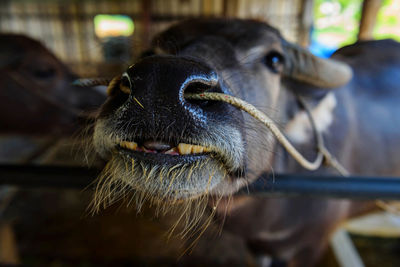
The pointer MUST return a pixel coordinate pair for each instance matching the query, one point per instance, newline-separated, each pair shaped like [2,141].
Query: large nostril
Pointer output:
[197,87]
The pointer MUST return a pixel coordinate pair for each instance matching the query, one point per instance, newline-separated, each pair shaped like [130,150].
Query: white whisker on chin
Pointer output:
[182,188]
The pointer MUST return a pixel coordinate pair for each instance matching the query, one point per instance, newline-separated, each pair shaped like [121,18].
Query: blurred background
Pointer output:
[50,227]
[84,34]
[90,36]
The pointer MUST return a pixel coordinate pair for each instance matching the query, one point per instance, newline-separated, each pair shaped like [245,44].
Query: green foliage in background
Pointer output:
[346,29]
[387,19]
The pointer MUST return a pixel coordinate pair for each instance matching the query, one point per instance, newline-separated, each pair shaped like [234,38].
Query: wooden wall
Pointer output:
[67,27]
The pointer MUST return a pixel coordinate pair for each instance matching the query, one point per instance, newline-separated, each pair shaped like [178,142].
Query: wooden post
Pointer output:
[207,8]
[8,245]
[305,22]
[146,22]
[230,8]
[369,11]
[225,8]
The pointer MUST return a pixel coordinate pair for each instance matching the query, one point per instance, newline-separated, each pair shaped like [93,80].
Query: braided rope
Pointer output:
[268,122]
[329,159]
[323,152]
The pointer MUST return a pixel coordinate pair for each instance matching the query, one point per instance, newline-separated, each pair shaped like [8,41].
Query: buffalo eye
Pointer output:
[274,61]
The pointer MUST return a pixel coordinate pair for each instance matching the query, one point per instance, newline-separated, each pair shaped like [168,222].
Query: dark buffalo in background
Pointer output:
[37,93]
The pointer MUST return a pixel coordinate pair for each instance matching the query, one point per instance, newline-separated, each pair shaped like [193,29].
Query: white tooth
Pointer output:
[129,145]
[171,151]
[184,149]
[197,149]
[132,145]
[206,149]
[123,144]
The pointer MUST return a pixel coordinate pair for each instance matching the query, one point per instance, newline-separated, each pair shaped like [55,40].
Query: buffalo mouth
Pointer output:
[182,149]
[164,171]
[170,172]
[164,153]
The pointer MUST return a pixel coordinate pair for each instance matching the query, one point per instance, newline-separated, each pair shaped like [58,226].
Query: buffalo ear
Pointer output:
[302,66]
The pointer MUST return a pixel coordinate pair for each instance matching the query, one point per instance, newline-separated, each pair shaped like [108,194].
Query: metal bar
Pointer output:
[353,187]
[267,185]
[47,176]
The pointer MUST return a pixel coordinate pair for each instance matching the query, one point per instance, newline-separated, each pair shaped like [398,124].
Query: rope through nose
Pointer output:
[323,152]
[268,122]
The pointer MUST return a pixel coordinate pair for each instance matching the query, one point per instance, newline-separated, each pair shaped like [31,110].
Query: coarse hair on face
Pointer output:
[135,185]
[183,188]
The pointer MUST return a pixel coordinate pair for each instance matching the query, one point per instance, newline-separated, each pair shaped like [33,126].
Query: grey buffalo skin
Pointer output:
[354,97]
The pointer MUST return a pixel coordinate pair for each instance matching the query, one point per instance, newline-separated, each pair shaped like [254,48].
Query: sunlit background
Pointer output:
[81,33]
[336,23]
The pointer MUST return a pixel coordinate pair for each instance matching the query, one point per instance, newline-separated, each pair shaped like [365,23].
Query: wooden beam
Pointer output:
[370,10]
[344,250]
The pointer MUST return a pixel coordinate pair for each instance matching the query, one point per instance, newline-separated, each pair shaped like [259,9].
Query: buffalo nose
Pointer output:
[161,82]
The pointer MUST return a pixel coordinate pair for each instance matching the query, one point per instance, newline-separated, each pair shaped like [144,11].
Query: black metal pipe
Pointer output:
[47,176]
[354,187]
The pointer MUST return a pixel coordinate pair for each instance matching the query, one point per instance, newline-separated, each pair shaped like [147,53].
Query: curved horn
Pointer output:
[324,73]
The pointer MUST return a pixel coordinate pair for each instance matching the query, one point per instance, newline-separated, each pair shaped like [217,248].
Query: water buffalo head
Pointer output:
[37,95]
[169,148]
